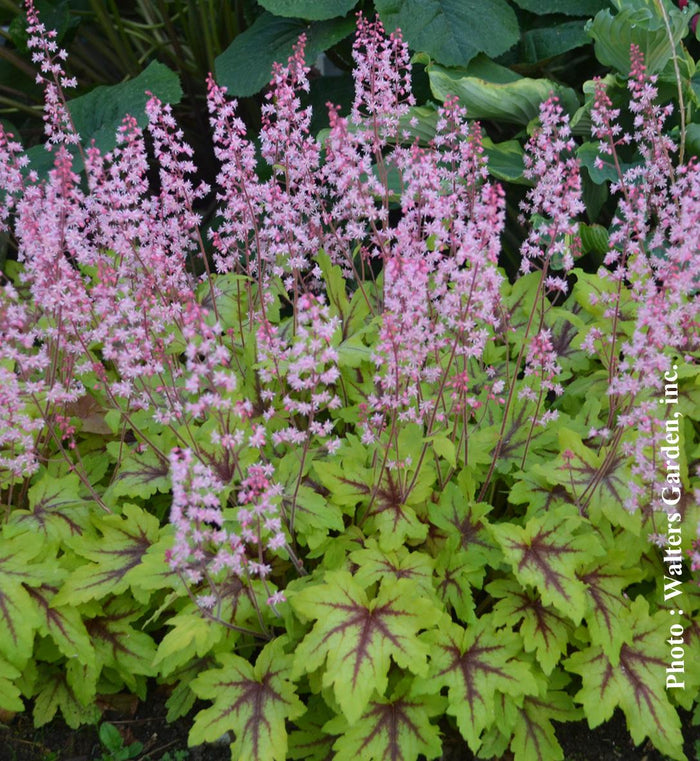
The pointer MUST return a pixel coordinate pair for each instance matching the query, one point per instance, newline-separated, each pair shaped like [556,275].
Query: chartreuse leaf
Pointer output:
[115,557]
[390,729]
[636,684]
[315,517]
[375,565]
[56,509]
[607,606]
[19,613]
[357,637]
[445,29]
[141,474]
[252,701]
[456,572]
[533,735]
[10,699]
[546,554]
[119,646]
[542,629]
[474,663]
[55,693]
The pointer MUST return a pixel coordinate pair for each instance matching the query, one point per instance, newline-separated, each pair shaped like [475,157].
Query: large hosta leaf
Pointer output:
[115,557]
[391,729]
[546,554]
[445,29]
[490,91]
[473,664]
[636,684]
[357,637]
[252,701]
[308,9]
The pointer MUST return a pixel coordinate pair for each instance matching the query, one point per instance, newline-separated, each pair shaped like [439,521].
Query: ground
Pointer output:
[145,722]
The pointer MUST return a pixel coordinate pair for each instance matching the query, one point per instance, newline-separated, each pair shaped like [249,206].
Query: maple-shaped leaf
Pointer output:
[375,565]
[56,509]
[120,646]
[20,570]
[473,664]
[636,684]
[542,629]
[546,553]
[10,699]
[390,729]
[607,605]
[313,740]
[457,571]
[55,693]
[597,481]
[456,516]
[63,624]
[115,556]
[315,516]
[140,474]
[251,701]
[533,735]
[357,637]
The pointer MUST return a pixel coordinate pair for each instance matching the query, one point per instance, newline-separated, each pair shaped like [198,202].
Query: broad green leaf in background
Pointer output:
[311,10]
[252,701]
[358,637]
[566,7]
[639,22]
[244,68]
[545,42]
[452,32]
[490,91]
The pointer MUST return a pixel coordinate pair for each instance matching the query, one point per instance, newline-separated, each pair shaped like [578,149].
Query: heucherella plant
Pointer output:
[317,459]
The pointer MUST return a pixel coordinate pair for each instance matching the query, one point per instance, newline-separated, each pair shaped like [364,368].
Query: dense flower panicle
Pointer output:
[382,75]
[556,196]
[58,124]
[236,240]
[306,366]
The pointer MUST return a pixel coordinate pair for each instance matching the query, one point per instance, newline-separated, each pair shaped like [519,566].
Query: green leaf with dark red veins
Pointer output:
[456,516]
[391,729]
[636,684]
[115,557]
[21,570]
[141,474]
[55,693]
[457,572]
[10,696]
[63,624]
[534,736]
[357,637]
[313,740]
[347,482]
[607,605]
[546,553]
[598,483]
[119,645]
[375,565]
[542,629]
[314,517]
[56,509]
[251,701]
[473,664]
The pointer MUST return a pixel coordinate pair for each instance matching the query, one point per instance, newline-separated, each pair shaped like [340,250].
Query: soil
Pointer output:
[145,723]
